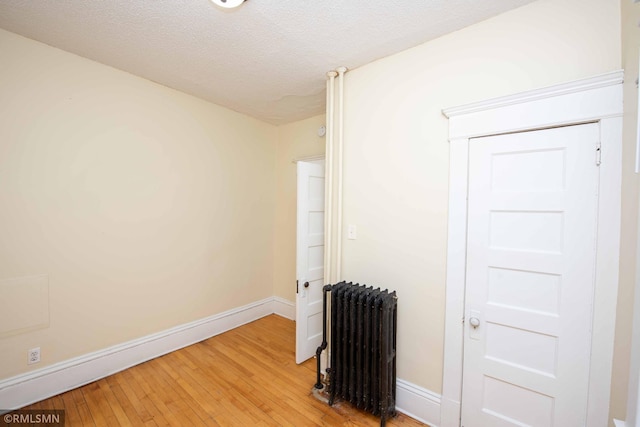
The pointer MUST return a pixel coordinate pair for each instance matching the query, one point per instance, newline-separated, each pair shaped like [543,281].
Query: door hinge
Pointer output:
[296,286]
[598,154]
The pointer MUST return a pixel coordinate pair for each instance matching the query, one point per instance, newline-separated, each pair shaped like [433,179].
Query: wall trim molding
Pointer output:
[284,307]
[587,100]
[418,403]
[599,81]
[25,389]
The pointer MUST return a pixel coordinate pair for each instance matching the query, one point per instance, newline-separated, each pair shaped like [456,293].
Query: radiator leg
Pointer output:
[319,384]
[332,398]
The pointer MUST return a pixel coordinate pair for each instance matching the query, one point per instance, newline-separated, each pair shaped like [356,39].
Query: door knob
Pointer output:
[306,284]
[475,322]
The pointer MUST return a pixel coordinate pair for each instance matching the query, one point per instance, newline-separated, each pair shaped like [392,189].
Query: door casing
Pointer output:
[593,100]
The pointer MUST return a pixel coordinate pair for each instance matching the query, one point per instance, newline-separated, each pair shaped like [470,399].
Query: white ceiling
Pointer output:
[267,59]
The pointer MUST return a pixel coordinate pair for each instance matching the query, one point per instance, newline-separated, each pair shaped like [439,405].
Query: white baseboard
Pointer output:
[619,423]
[284,308]
[418,402]
[25,389]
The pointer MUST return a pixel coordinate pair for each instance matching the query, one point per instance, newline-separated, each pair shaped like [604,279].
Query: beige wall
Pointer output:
[397,155]
[630,188]
[296,140]
[146,207]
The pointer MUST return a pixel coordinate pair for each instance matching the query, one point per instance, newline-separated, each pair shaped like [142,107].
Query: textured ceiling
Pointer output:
[267,59]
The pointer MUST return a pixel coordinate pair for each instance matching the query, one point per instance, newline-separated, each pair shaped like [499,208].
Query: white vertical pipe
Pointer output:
[340,148]
[328,197]
[328,186]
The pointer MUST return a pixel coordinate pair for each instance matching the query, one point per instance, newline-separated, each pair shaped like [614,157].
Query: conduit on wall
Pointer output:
[334,161]
[333,184]
[328,181]
[340,132]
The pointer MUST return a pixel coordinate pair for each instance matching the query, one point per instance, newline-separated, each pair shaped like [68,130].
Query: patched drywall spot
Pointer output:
[25,304]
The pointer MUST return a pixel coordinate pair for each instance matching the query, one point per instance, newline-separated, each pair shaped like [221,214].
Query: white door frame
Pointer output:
[597,99]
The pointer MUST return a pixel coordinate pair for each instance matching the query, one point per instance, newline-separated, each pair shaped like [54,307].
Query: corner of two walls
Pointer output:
[295,141]
[626,363]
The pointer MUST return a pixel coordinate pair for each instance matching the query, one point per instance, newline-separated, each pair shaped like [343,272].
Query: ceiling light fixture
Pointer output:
[228,4]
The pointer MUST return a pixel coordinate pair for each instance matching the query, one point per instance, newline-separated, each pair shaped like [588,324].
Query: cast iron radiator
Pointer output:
[363,348]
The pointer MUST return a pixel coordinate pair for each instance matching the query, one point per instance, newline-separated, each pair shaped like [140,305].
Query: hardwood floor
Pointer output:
[244,377]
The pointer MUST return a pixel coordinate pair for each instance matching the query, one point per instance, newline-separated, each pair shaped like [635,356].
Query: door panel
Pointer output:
[530,277]
[310,259]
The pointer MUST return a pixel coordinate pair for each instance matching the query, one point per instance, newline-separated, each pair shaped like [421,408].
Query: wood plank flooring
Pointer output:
[244,377]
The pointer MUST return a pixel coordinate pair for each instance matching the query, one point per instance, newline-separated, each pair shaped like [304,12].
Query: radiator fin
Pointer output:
[363,348]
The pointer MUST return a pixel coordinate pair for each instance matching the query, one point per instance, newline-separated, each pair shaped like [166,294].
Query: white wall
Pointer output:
[145,207]
[396,158]
[627,356]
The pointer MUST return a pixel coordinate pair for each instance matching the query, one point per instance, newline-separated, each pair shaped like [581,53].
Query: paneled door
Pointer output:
[310,259]
[530,277]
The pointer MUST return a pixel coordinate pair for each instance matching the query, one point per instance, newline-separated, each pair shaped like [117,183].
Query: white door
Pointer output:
[530,277]
[310,259]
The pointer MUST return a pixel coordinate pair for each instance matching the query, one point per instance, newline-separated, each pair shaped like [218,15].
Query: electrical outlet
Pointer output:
[33,356]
